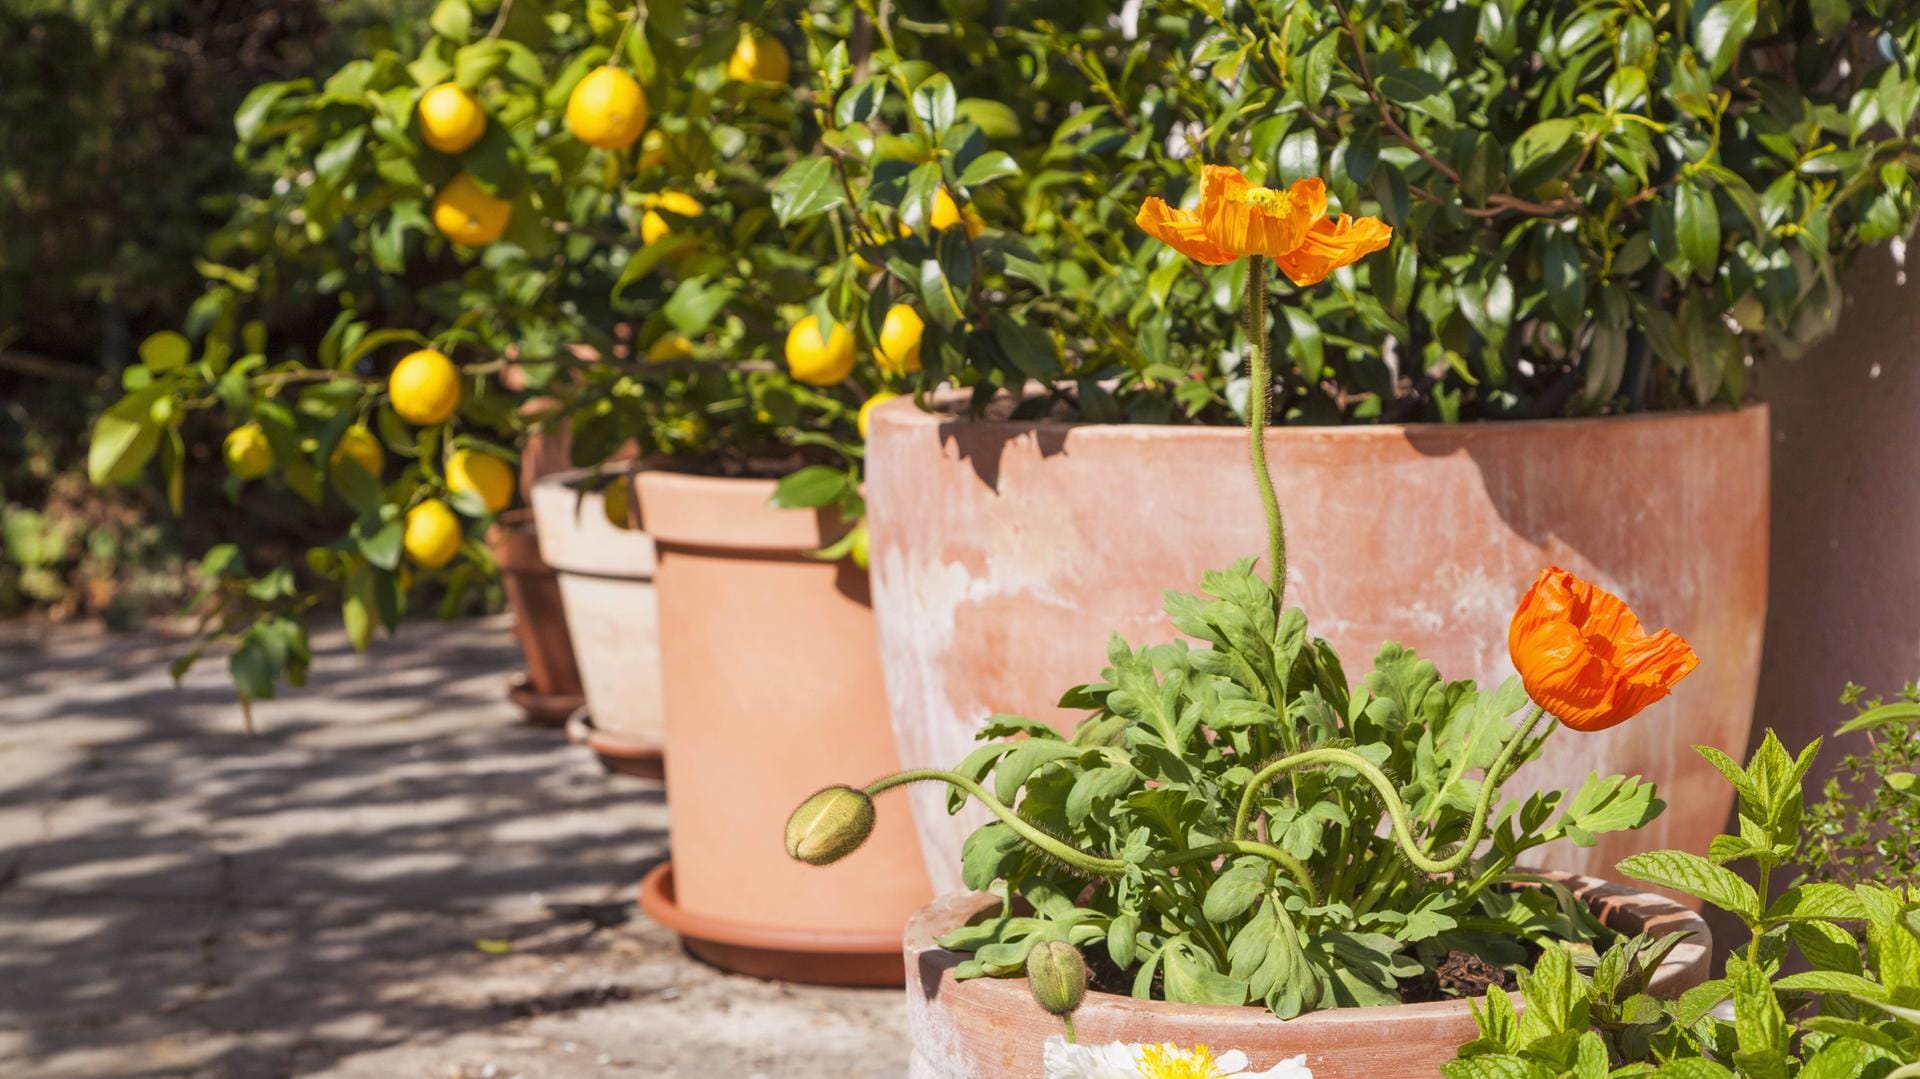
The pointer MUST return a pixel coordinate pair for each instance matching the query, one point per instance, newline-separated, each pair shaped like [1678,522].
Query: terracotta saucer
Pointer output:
[542,709]
[777,953]
[617,754]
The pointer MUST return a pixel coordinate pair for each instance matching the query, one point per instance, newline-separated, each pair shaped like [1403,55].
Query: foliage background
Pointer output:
[119,169]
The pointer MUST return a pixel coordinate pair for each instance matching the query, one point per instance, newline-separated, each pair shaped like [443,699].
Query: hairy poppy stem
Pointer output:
[1422,859]
[1259,400]
[1094,864]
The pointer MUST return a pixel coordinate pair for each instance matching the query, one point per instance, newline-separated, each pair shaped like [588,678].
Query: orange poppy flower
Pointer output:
[1237,219]
[1584,657]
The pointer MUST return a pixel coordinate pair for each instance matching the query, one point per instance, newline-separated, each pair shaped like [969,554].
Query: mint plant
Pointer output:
[1866,826]
[1853,1012]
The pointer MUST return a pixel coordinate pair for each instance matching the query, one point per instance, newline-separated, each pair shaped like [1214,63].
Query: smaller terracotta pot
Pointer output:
[771,679]
[549,691]
[990,1028]
[606,585]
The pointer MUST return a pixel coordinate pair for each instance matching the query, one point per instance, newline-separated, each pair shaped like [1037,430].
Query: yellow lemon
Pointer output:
[817,359]
[946,214]
[864,265]
[616,501]
[482,475]
[858,549]
[670,346]
[467,214]
[248,454]
[432,537]
[864,420]
[359,445]
[607,109]
[899,349]
[450,119]
[653,149]
[653,225]
[424,387]
[758,58]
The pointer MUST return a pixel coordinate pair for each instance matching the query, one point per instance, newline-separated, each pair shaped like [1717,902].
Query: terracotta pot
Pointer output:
[606,586]
[990,1028]
[772,691]
[1005,553]
[549,691]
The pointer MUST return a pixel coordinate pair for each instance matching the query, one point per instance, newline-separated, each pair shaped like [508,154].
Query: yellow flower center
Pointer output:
[1172,1062]
[1267,200]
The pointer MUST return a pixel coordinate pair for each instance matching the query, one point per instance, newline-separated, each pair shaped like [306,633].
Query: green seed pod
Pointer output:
[829,826]
[1057,976]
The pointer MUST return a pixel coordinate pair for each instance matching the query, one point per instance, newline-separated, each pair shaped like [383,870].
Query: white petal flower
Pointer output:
[1110,1061]
[1291,1068]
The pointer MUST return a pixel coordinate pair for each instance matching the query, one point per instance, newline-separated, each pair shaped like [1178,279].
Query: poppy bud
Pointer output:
[829,826]
[1057,976]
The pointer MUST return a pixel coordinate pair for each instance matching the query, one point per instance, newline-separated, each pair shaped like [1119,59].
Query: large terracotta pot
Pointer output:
[772,690]
[990,1028]
[549,691]
[606,586]
[1005,553]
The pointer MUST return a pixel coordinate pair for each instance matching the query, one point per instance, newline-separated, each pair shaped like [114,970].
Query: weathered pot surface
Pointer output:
[771,683]
[1005,553]
[606,587]
[990,1028]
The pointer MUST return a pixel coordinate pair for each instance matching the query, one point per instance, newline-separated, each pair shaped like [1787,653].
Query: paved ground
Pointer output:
[178,898]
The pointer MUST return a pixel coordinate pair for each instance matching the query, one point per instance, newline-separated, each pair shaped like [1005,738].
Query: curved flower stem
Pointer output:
[1095,864]
[1421,858]
[1259,400]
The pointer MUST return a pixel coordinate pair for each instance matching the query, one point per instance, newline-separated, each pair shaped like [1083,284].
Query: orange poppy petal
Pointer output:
[1330,245]
[1250,220]
[1180,230]
[1583,656]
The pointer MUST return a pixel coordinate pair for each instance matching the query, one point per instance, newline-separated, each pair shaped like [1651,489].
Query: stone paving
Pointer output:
[393,878]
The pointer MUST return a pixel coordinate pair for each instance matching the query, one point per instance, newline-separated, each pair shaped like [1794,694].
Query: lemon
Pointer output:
[450,119]
[899,349]
[866,411]
[653,225]
[616,501]
[607,109]
[359,445]
[432,537]
[248,454]
[758,58]
[858,549]
[424,387]
[946,214]
[467,214]
[482,475]
[670,346]
[819,360]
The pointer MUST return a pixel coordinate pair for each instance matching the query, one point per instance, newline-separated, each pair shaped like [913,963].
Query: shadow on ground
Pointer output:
[392,877]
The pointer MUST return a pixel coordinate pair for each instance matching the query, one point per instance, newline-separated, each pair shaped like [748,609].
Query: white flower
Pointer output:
[1111,1061]
[1118,1061]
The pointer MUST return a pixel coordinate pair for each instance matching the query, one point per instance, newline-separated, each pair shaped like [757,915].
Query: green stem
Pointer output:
[1259,400]
[1421,858]
[1094,864]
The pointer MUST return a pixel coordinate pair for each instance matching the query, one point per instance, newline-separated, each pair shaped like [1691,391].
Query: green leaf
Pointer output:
[988,167]
[1832,981]
[1697,877]
[807,188]
[452,19]
[124,438]
[251,117]
[165,351]
[1693,1068]
[811,487]
[1696,222]
[1233,892]
[1719,29]
[1492,1066]
[934,103]
[1566,281]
